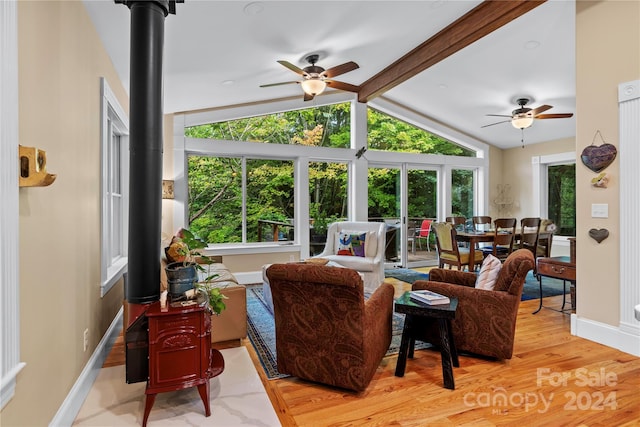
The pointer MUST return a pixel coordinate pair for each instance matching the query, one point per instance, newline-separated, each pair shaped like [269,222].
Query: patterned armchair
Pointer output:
[325,330]
[485,322]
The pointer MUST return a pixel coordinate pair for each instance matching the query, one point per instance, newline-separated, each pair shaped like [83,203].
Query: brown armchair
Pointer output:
[485,322]
[325,330]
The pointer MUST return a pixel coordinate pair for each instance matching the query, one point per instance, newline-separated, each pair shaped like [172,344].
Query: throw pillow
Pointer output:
[488,273]
[371,246]
[351,244]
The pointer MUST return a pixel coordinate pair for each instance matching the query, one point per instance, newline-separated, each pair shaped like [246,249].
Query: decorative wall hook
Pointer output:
[360,152]
[33,168]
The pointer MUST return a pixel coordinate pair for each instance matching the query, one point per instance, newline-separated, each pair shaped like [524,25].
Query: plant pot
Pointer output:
[180,278]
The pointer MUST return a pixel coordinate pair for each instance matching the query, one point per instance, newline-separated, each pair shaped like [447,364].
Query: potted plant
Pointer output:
[182,274]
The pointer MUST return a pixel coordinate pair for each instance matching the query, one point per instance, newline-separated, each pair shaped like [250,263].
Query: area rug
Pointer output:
[406,274]
[262,334]
[550,287]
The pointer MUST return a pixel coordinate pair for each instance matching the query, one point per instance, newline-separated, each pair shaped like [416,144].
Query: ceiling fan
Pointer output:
[315,79]
[522,118]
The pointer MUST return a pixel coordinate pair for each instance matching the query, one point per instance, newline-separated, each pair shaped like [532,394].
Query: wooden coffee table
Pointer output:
[444,313]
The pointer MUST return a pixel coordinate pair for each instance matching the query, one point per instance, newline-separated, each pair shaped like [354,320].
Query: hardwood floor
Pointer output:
[553,379]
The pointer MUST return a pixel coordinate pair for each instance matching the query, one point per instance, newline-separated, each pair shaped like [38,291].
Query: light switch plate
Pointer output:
[599,210]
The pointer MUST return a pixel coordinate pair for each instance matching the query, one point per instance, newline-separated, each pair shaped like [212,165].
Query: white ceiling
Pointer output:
[218,53]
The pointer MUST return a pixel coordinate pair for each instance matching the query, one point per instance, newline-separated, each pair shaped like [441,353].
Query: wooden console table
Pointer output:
[560,267]
[180,354]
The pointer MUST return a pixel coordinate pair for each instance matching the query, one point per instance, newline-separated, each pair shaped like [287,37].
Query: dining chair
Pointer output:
[480,222]
[529,235]
[448,250]
[505,234]
[456,220]
[545,238]
[424,232]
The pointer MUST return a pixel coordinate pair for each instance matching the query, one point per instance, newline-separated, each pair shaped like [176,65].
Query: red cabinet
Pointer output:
[180,354]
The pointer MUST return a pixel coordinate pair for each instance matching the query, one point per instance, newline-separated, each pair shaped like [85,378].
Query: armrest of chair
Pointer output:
[452,276]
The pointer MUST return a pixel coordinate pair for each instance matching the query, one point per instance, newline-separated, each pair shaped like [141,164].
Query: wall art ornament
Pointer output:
[600,181]
[598,157]
[598,234]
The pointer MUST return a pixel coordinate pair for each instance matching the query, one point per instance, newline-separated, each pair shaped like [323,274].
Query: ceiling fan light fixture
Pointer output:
[313,86]
[522,121]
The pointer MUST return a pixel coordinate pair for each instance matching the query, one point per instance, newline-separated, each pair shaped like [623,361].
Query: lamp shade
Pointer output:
[313,86]
[522,121]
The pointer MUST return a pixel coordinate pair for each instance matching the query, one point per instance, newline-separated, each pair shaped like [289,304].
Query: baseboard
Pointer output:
[606,335]
[73,402]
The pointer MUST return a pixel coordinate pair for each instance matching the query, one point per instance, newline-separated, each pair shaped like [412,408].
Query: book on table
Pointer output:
[429,297]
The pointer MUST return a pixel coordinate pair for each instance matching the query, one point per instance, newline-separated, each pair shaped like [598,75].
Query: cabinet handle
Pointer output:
[557,270]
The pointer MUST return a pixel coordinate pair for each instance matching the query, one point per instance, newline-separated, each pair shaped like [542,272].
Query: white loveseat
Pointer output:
[372,264]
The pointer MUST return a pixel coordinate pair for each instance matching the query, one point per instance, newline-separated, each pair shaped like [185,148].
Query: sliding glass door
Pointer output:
[405,198]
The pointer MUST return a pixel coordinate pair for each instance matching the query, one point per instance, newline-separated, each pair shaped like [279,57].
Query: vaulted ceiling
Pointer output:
[219,53]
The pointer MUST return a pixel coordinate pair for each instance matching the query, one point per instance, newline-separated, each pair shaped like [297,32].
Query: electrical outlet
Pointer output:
[86,339]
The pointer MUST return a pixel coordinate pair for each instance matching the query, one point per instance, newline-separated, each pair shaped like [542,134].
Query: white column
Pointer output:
[629,155]
[359,176]
[9,220]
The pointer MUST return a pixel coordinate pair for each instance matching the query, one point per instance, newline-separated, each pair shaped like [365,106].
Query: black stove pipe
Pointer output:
[145,148]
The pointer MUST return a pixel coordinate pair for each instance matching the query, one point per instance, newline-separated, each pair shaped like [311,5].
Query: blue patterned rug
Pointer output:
[262,334]
[550,287]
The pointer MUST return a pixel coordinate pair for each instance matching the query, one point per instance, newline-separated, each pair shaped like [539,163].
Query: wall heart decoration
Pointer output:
[598,157]
[598,235]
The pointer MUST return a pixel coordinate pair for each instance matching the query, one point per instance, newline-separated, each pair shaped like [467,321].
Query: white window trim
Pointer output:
[9,202]
[111,271]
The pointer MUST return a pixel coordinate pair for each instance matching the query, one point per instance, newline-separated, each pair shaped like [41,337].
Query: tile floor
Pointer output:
[238,398]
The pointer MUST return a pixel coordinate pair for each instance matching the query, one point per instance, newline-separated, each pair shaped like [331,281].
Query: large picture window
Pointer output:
[240,199]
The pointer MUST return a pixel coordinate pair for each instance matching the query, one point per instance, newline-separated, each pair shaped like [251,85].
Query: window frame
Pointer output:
[540,165]
[358,165]
[114,121]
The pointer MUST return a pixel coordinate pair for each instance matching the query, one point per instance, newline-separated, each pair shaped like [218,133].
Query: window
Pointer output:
[462,192]
[561,190]
[238,183]
[115,179]
[323,126]
[240,199]
[388,133]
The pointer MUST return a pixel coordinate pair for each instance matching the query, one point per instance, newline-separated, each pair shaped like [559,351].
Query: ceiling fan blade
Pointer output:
[496,123]
[539,109]
[498,115]
[292,67]
[279,84]
[342,86]
[307,97]
[554,116]
[340,69]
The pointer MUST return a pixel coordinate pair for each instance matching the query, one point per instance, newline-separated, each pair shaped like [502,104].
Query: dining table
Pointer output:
[475,237]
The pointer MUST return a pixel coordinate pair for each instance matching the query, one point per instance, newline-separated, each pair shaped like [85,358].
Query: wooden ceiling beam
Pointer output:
[477,23]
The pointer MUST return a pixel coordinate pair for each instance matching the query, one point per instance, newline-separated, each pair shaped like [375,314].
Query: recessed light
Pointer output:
[253,9]
[228,82]
[532,44]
